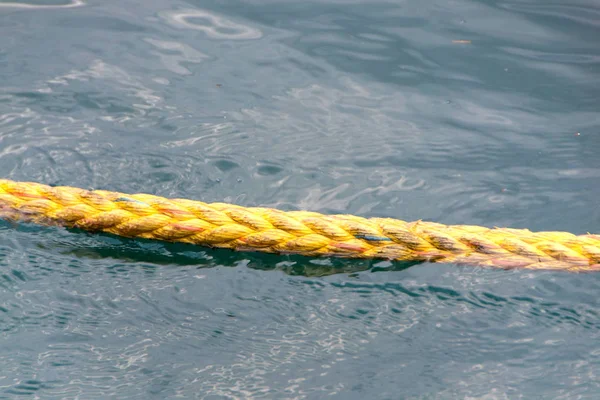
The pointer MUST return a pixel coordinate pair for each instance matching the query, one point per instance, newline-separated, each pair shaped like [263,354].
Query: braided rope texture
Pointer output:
[295,232]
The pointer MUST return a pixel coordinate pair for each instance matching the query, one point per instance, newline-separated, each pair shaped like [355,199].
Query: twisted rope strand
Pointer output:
[295,232]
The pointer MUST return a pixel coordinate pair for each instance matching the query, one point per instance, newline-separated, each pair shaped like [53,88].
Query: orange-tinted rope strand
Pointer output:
[295,232]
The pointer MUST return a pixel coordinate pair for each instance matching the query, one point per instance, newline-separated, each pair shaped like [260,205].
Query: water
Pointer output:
[472,112]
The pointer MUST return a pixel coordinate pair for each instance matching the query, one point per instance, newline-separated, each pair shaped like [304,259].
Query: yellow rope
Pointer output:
[295,232]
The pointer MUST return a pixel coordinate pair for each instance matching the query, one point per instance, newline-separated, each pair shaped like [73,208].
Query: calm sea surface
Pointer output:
[471,112]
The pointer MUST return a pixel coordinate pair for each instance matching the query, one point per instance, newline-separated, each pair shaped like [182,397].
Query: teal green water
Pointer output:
[363,107]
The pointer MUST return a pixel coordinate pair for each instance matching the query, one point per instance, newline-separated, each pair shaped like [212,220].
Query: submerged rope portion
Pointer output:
[295,232]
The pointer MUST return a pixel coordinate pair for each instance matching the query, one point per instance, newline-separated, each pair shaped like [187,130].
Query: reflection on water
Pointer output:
[214,26]
[175,62]
[29,6]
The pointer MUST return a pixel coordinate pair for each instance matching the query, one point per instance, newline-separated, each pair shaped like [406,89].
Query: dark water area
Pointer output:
[459,112]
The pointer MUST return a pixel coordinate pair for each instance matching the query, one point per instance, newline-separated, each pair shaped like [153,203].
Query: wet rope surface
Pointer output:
[295,232]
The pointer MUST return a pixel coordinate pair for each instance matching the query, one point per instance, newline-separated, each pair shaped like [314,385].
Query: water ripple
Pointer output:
[214,26]
[174,62]
[70,4]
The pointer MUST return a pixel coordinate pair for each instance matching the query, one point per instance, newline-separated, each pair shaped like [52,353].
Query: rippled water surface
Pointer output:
[473,112]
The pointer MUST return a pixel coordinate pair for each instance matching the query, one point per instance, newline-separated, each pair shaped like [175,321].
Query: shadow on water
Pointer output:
[146,251]
[125,250]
